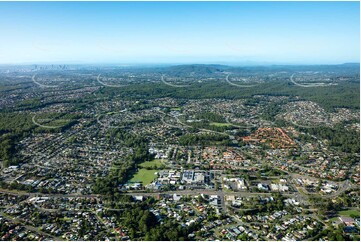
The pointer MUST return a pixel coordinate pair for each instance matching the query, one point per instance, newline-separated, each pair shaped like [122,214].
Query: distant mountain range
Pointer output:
[207,69]
[198,69]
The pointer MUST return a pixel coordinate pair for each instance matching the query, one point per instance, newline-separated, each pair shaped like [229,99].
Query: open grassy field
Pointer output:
[350,212]
[220,124]
[157,162]
[144,176]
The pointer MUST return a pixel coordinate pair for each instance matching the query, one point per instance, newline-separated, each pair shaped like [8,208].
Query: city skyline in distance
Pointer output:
[247,33]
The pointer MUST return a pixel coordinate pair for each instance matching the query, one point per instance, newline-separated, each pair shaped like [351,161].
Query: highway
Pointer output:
[318,84]
[237,85]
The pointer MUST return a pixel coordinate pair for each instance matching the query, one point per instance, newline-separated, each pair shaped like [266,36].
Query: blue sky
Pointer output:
[180,32]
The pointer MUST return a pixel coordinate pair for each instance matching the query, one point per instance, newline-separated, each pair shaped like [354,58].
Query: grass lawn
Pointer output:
[66,219]
[144,176]
[220,124]
[156,162]
[176,109]
[349,212]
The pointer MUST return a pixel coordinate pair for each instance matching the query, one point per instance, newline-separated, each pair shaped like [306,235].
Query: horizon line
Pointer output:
[177,63]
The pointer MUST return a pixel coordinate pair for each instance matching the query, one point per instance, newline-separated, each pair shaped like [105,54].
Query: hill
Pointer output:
[194,69]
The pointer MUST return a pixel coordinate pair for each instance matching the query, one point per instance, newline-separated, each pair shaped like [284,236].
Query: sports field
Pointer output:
[157,162]
[144,176]
[220,124]
[350,212]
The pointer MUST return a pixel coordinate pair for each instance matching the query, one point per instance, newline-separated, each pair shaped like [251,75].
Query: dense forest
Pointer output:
[340,138]
[345,95]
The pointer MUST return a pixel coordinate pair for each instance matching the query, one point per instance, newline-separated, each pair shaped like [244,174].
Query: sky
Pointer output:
[180,32]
